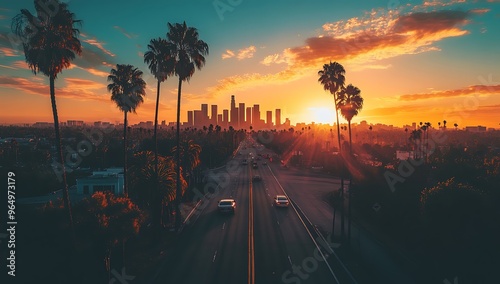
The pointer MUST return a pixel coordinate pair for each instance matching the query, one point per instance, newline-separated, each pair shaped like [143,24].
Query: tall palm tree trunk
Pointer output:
[67,203]
[125,189]
[349,216]
[342,219]
[178,191]
[156,202]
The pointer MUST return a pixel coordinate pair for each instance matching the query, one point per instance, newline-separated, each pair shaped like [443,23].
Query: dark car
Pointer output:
[227,205]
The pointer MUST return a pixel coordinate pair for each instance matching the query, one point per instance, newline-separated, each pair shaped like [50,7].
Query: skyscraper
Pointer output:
[213,119]
[234,113]
[225,118]
[269,118]
[241,115]
[204,114]
[256,116]
[277,120]
[190,118]
[249,117]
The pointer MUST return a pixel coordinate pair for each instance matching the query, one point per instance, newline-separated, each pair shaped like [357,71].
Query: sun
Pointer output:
[323,115]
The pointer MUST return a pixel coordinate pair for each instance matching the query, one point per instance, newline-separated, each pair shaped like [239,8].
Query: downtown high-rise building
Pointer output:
[269,118]
[241,116]
[233,113]
[213,117]
[277,120]
[249,117]
[256,116]
[225,118]
[190,118]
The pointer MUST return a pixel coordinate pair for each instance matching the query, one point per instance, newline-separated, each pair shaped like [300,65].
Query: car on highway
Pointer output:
[256,178]
[226,206]
[281,201]
[254,165]
[264,163]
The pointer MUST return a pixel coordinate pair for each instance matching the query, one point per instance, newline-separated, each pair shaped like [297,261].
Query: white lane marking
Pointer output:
[215,255]
[290,260]
[223,225]
[278,222]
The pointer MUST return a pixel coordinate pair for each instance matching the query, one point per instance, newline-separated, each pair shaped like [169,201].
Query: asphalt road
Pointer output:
[223,248]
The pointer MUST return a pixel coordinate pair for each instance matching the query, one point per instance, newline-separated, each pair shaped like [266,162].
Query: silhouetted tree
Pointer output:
[161,65]
[188,52]
[50,42]
[127,90]
[332,78]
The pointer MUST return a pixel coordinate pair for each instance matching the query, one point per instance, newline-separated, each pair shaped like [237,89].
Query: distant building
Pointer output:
[233,113]
[277,120]
[241,116]
[108,180]
[256,116]
[43,124]
[478,128]
[75,123]
[269,118]
[190,118]
[225,118]
[404,155]
[214,115]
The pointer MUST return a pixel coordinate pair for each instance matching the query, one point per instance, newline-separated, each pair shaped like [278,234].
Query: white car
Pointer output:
[227,205]
[281,201]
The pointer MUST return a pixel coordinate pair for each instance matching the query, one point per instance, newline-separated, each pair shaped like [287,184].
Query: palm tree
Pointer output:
[188,53]
[332,78]
[190,156]
[50,42]
[161,66]
[127,90]
[415,136]
[428,129]
[144,178]
[350,103]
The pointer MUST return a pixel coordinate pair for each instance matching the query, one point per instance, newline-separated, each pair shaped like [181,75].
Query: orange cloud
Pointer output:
[243,53]
[99,45]
[247,52]
[361,41]
[20,64]
[124,32]
[7,51]
[477,89]
[78,89]
[241,82]
[228,54]
[96,72]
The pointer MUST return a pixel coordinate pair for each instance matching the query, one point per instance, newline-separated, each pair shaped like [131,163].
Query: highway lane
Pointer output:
[213,247]
[285,250]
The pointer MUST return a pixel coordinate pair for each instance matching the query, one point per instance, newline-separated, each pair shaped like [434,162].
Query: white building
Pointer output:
[404,155]
[108,180]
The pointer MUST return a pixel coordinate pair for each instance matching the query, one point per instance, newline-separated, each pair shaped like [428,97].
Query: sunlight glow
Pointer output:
[322,115]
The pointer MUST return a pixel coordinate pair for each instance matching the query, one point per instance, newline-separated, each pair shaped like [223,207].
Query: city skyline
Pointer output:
[407,59]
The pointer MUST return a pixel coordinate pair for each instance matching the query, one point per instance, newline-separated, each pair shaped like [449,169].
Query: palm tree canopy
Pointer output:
[186,49]
[189,154]
[415,135]
[158,58]
[332,77]
[49,38]
[350,102]
[127,87]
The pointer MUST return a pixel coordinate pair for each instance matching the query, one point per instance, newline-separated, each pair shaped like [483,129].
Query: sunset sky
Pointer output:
[413,61]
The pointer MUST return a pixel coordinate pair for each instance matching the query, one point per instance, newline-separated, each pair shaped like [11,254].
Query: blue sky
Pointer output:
[412,60]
